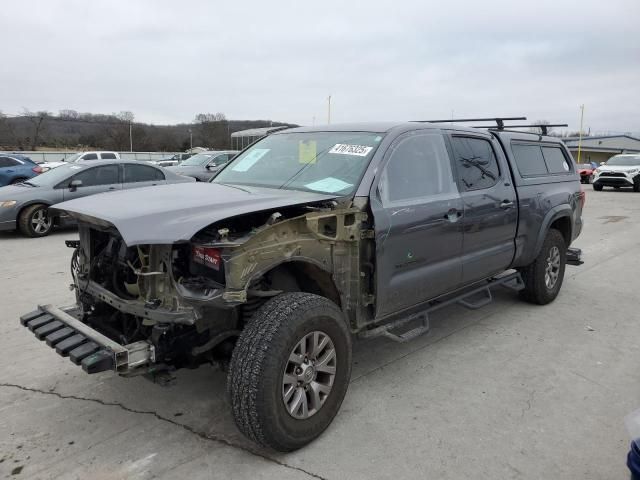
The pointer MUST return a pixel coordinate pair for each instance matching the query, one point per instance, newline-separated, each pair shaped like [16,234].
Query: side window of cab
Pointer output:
[476,162]
[418,169]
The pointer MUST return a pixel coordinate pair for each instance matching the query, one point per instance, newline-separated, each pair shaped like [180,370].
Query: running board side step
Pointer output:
[472,299]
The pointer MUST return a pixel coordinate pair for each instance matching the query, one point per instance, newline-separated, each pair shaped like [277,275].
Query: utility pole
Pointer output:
[130,137]
[190,141]
[580,137]
[329,110]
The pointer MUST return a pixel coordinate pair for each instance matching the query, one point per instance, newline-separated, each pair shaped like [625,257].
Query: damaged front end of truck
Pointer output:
[145,308]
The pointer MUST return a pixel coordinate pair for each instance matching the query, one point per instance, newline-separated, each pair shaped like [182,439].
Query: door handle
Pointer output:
[453,215]
[506,204]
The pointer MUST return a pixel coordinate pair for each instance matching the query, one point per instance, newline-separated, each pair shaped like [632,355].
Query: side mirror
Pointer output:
[74,184]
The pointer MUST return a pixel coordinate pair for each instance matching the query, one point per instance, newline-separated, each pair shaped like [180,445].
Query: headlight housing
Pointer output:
[634,171]
[7,203]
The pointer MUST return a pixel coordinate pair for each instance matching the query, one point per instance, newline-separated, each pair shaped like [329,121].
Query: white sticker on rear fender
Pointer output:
[344,149]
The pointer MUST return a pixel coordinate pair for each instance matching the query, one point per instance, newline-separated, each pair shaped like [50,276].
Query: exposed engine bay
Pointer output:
[190,301]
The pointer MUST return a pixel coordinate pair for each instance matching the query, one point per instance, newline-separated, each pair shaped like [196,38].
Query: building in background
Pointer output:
[601,149]
[244,138]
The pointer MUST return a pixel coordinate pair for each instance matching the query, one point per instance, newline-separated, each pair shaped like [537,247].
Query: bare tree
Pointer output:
[538,130]
[37,123]
[68,114]
[213,129]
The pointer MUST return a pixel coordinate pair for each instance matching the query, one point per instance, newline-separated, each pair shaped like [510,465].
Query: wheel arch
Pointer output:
[300,274]
[558,218]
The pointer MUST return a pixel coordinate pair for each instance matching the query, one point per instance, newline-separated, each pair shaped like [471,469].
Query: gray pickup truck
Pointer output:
[308,238]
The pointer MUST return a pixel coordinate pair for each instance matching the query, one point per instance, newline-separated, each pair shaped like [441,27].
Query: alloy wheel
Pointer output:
[309,375]
[40,221]
[552,269]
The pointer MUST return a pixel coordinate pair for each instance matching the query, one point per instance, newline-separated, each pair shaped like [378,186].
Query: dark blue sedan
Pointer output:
[16,169]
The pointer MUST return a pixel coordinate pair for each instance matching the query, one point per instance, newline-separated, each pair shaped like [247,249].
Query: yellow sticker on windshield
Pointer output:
[307,151]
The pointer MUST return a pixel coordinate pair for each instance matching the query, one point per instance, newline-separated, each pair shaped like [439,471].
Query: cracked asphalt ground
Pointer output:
[508,391]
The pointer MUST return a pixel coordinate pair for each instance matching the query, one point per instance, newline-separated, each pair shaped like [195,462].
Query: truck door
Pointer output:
[490,206]
[417,213]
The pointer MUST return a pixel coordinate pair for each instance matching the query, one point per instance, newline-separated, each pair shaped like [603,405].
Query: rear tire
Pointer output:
[597,188]
[282,397]
[543,277]
[636,184]
[34,221]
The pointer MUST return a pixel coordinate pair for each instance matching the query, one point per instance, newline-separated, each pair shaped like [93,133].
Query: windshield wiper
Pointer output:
[27,182]
[233,186]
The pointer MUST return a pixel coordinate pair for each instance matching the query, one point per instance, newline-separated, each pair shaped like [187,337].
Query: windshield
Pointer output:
[196,160]
[55,175]
[73,158]
[624,161]
[328,162]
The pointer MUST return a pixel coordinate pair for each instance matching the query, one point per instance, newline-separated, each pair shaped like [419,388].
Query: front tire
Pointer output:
[597,188]
[543,277]
[35,221]
[290,371]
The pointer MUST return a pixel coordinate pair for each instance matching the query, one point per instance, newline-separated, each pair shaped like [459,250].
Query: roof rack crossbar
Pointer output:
[544,128]
[499,120]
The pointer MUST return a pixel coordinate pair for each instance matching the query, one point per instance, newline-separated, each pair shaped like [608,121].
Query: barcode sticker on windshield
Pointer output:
[344,149]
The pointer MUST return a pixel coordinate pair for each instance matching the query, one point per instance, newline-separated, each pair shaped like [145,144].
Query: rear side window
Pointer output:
[8,162]
[529,160]
[418,167]
[108,156]
[104,175]
[476,163]
[90,156]
[555,159]
[534,160]
[141,173]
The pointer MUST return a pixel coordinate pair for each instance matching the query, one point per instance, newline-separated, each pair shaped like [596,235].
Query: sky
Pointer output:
[167,61]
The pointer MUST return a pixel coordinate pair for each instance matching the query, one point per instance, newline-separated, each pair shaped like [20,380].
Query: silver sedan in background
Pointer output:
[205,165]
[25,206]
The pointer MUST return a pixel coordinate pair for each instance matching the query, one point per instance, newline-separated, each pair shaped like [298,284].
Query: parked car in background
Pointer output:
[619,171]
[25,205]
[585,170]
[16,169]
[176,159]
[203,166]
[82,157]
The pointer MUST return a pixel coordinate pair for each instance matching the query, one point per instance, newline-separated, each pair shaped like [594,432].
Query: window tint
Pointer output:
[108,156]
[418,167]
[7,162]
[529,160]
[90,156]
[105,175]
[141,173]
[476,163]
[556,161]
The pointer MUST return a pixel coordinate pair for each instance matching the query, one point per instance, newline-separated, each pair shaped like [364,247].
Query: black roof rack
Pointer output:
[499,120]
[544,128]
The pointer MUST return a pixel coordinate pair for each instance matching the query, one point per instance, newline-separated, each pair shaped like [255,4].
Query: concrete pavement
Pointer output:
[508,391]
